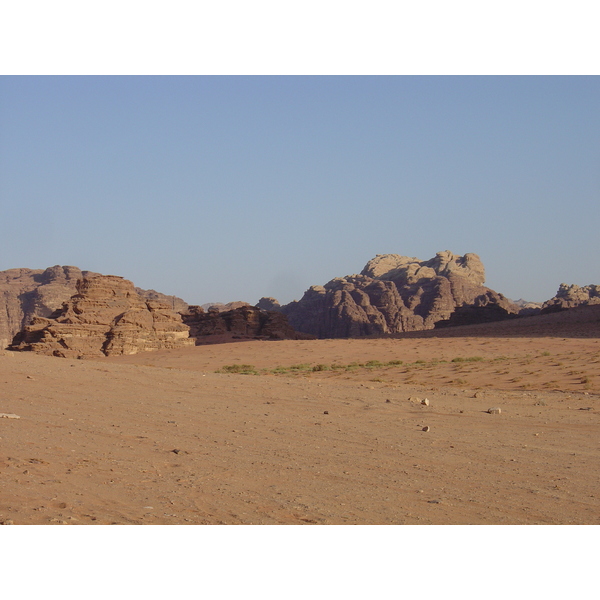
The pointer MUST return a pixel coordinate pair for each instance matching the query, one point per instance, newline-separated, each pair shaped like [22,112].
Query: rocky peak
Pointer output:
[407,270]
[395,293]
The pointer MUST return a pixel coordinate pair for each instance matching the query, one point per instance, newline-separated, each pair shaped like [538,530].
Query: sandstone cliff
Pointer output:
[396,293]
[243,322]
[106,316]
[570,296]
[29,293]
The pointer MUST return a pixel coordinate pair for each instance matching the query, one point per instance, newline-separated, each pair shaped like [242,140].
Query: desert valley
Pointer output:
[407,394]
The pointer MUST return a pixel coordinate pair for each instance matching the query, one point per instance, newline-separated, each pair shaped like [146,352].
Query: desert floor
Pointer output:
[297,432]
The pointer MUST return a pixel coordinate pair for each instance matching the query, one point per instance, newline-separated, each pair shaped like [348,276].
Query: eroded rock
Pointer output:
[106,317]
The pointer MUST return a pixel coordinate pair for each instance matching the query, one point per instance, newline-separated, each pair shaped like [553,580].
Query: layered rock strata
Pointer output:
[242,322]
[29,293]
[394,294]
[106,317]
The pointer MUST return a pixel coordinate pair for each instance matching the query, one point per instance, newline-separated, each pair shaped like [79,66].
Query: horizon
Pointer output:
[218,189]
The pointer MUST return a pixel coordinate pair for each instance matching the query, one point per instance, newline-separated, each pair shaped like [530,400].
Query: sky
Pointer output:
[223,188]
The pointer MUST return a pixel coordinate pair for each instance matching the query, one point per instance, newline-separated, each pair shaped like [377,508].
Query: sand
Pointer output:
[162,438]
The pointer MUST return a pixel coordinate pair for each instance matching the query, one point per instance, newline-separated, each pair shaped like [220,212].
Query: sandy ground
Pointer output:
[161,438]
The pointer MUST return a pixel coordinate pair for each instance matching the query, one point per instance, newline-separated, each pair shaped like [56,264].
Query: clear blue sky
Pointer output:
[232,188]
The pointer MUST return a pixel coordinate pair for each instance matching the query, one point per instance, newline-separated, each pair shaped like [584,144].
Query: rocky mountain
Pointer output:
[106,316]
[243,322]
[29,293]
[570,296]
[394,294]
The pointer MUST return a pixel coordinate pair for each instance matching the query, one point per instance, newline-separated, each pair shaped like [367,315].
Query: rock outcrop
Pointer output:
[394,294]
[570,296]
[106,317]
[243,322]
[29,293]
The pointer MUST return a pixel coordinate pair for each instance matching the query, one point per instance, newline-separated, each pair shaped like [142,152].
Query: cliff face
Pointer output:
[396,293]
[29,293]
[106,316]
[243,322]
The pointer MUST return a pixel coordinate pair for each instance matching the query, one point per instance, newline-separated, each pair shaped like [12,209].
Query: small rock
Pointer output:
[176,451]
[425,402]
[7,522]
[325,412]
[388,401]
[426,428]
[478,395]
[494,411]
[9,416]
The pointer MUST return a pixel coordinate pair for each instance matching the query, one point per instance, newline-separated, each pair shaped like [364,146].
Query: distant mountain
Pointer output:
[395,293]
[571,296]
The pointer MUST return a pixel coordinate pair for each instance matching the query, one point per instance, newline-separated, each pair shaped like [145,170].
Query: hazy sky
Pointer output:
[232,188]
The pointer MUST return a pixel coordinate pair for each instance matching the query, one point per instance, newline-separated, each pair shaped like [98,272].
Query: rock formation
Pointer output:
[106,316]
[396,293]
[570,296]
[243,322]
[29,293]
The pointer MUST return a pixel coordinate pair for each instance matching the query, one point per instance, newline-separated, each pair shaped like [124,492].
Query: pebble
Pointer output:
[325,412]
[426,428]
[7,522]
[30,377]
[425,402]
[494,411]
[9,416]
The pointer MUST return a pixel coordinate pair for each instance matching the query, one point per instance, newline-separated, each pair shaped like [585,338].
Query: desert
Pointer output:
[493,423]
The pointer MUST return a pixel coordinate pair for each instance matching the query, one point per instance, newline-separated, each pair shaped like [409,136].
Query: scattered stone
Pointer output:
[176,451]
[433,502]
[388,401]
[494,411]
[9,416]
[325,412]
[586,408]
[30,377]
[7,522]
[478,395]
[426,428]
[425,402]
